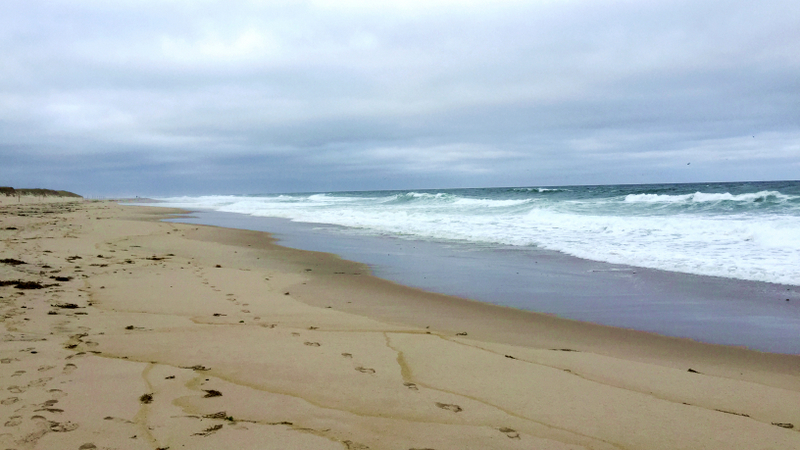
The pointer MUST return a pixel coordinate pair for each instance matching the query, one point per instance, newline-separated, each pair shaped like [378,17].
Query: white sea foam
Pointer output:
[539,189]
[703,197]
[471,202]
[752,245]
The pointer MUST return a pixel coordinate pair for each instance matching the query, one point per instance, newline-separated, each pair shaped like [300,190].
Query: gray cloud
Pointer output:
[199,97]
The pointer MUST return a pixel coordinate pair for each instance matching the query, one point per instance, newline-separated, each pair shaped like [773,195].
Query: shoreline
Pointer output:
[708,309]
[184,312]
[377,298]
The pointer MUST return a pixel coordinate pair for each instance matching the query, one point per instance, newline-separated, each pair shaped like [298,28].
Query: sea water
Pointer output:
[744,231]
[714,262]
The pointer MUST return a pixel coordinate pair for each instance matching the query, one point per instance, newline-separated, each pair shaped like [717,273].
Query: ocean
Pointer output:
[713,262]
[747,231]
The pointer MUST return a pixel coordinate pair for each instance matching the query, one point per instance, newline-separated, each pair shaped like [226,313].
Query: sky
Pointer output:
[179,97]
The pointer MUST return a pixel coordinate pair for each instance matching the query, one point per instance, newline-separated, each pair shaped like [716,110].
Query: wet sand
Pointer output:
[151,335]
[757,315]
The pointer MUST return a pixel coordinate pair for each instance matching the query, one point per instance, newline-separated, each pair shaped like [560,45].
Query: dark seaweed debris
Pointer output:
[12,262]
[19,284]
[61,278]
[65,305]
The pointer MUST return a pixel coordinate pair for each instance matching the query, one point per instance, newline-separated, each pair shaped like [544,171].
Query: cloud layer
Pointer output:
[172,97]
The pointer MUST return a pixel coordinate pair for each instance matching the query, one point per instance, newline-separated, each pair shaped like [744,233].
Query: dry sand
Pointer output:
[158,335]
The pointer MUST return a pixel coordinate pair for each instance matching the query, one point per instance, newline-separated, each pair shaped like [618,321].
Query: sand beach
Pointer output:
[125,332]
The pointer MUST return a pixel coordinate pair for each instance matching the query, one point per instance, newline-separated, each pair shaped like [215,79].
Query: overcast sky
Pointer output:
[168,97]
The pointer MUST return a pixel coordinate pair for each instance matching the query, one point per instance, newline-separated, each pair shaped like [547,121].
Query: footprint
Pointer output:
[13,421]
[365,369]
[18,373]
[449,407]
[9,400]
[411,386]
[45,368]
[69,368]
[63,427]
[17,389]
[117,419]
[511,433]
[40,382]
[42,427]
[51,410]
[246,311]
[347,355]
[57,393]
[312,344]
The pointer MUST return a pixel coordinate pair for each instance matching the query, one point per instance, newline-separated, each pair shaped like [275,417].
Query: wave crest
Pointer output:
[539,190]
[701,197]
